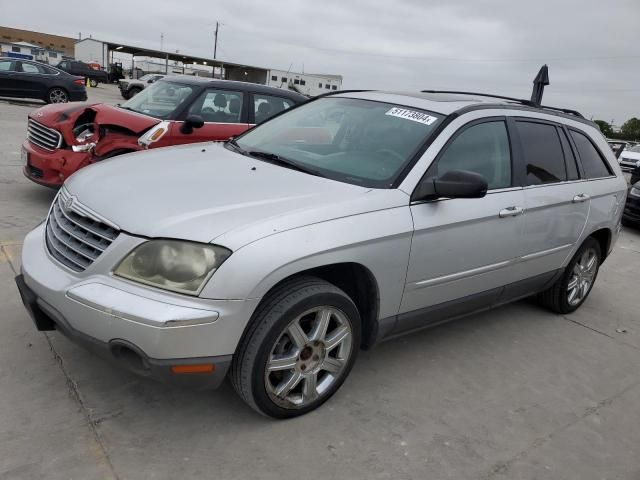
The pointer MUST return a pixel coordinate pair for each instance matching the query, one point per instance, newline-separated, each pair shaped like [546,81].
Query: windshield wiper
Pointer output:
[272,157]
[236,147]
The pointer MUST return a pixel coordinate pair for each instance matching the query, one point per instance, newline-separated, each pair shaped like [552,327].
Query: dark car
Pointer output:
[75,67]
[27,79]
[171,111]
[631,215]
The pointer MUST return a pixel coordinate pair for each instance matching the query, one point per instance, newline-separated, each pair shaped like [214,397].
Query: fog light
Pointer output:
[197,368]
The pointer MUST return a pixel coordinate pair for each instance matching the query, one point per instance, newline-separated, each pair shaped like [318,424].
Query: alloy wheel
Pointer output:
[308,357]
[57,95]
[582,276]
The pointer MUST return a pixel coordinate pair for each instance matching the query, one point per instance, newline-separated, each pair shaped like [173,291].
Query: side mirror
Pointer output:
[453,184]
[191,122]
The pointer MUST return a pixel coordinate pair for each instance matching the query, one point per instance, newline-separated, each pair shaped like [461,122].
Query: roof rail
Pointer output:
[521,101]
[336,92]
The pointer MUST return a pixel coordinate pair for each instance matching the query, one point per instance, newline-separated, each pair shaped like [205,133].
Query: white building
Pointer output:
[29,51]
[306,83]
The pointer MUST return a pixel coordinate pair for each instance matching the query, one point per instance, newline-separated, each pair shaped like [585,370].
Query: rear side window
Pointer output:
[572,167]
[592,162]
[542,153]
[266,106]
[482,148]
[32,68]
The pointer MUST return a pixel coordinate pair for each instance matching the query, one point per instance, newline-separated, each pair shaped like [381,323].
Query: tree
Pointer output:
[631,129]
[605,128]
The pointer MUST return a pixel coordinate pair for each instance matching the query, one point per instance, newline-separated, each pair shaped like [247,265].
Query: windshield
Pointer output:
[160,99]
[356,141]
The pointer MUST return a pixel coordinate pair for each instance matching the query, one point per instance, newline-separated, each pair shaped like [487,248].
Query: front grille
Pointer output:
[74,239]
[43,137]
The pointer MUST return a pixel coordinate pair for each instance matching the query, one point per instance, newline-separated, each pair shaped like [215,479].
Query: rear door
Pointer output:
[556,203]
[32,79]
[224,113]
[9,81]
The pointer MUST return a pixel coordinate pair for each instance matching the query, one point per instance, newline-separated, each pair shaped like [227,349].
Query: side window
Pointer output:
[482,148]
[542,150]
[572,167]
[266,106]
[592,162]
[7,66]
[274,78]
[31,68]
[220,106]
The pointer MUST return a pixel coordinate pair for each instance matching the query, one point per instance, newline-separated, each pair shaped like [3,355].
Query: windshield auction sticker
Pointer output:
[411,115]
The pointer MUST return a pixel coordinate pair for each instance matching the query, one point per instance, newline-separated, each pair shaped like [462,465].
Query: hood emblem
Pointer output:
[68,203]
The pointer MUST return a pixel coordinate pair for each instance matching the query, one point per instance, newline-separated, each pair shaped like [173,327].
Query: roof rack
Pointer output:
[521,101]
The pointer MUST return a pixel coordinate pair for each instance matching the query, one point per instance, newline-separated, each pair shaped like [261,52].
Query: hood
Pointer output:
[628,155]
[202,191]
[64,115]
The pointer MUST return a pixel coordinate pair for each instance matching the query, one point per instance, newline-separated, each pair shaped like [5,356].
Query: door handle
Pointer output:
[583,197]
[511,212]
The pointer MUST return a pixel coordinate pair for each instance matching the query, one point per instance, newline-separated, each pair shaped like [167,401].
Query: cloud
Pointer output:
[483,45]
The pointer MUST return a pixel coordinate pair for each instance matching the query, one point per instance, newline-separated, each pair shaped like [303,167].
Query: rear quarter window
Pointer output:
[593,162]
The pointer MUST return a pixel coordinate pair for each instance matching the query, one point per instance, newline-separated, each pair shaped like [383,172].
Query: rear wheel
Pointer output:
[57,95]
[300,347]
[93,82]
[573,287]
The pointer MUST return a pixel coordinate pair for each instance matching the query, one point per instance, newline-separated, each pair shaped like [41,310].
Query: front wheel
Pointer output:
[93,82]
[57,95]
[573,287]
[300,347]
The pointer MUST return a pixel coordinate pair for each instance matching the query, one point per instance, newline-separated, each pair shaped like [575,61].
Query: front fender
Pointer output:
[379,240]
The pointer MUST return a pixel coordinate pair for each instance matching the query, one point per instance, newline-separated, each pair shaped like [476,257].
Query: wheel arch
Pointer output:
[603,237]
[357,281]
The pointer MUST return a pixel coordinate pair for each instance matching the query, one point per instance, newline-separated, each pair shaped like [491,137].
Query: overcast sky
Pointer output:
[592,47]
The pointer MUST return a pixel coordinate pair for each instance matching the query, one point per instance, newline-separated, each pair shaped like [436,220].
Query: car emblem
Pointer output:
[68,203]
[40,114]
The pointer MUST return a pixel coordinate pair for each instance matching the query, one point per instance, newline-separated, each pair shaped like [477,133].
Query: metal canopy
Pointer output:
[172,56]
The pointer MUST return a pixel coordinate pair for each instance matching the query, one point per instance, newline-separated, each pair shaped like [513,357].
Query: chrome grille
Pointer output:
[74,239]
[43,137]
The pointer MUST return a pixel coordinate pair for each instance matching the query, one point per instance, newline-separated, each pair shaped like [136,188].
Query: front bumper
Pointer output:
[145,330]
[52,168]
[631,212]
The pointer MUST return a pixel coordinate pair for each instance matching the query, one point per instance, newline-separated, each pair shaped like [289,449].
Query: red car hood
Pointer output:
[62,115]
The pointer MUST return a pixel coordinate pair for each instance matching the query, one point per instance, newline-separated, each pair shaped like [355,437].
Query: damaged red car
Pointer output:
[63,138]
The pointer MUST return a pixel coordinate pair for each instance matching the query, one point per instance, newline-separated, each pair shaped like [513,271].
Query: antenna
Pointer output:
[541,80]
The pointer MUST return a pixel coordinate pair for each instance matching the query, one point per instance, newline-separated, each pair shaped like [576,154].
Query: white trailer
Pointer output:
[311,84]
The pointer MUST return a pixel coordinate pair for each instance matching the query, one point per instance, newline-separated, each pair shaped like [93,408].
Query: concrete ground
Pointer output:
[515,393]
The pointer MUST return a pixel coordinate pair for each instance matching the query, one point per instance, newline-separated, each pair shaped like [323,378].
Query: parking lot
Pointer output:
[513,393]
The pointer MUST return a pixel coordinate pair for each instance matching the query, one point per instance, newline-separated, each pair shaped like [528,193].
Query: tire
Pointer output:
[93,82]
[57,95]
[302,301]
[558,297]
[132,92]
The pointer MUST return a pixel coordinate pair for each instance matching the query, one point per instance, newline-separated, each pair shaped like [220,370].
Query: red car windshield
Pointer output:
[159,100]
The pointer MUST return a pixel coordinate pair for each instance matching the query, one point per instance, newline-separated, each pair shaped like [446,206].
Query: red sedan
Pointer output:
[176,110]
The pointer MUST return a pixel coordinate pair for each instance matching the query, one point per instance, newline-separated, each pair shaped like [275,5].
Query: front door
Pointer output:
[9,81]
[224,113]
[465,250]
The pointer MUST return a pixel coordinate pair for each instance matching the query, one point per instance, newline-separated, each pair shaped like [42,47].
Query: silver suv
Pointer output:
[348,220]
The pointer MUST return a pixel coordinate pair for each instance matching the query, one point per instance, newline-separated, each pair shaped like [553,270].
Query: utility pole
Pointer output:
[215,42]
[161,40]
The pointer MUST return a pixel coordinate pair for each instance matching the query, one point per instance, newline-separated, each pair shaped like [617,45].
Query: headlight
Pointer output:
[174,265]
[635,192]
